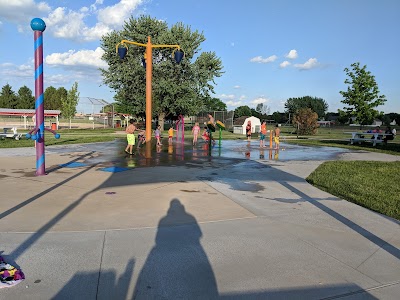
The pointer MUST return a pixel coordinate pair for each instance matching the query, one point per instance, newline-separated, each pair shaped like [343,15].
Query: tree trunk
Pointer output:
[69,123]
[161,118]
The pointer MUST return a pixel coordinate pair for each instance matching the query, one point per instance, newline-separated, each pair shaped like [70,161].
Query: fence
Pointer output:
[225,117]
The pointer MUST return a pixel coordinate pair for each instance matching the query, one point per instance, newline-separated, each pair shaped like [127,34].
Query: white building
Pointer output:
[241,128]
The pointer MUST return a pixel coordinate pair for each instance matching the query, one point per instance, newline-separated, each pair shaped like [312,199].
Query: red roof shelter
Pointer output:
[28,113]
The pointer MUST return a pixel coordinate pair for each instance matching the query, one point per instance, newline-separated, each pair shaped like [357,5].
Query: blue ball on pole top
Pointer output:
[38,24]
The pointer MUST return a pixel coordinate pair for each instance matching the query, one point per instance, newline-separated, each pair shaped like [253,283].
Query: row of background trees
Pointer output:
[24,98]
[56,99]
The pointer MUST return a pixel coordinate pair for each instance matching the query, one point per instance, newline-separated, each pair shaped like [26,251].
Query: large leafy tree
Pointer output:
[242,111]
[362,95]
[305,119]
[8,98]
[26,100]
[176,88]
[213,104]
[53,96]
[317,105]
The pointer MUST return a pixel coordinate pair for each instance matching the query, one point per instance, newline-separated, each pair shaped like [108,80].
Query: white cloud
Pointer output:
[243,97]
[260,59]
[59,79]
[259,100]
[9,70]
[66,23]
[118,13]
[236,87]
[226,97]
[309,64]
[86,58]
[233,103]
[22,11]
[292,54]
[284,64]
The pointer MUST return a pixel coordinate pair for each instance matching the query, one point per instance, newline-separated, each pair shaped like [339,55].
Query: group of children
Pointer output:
[130,136]
[206,134]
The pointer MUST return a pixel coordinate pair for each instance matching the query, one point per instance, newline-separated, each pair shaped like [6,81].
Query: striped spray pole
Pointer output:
[38,26]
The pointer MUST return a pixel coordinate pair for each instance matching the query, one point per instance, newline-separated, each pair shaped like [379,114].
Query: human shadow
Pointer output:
[177,267]
[86,285]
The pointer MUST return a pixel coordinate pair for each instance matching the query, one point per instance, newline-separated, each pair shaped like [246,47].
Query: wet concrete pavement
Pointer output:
[231,225]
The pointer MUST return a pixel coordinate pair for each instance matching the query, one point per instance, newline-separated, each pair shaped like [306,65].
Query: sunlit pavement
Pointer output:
[234,222]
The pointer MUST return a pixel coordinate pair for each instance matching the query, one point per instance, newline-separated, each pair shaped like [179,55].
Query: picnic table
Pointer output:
[373,137]
[10,132]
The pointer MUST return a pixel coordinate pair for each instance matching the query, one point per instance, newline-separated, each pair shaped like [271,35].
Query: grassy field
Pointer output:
[371,184]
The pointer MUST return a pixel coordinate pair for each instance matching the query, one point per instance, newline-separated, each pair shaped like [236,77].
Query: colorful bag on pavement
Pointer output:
[9,275]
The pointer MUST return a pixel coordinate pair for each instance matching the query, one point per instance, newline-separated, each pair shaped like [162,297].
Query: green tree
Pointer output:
[26,100]
[213,104]
[50,96]
[279,117]
[362,95]
[306,121]
[242,111]
[8,99]
[176,88]
[61,93]
[70,102]
[317,105]
[109,108]
[53,96]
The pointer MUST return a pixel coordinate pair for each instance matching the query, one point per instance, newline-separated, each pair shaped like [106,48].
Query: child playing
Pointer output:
[195,131]
[277,133]
[157,134]
[141,138]
[130,136]
[263,133]
[170,134]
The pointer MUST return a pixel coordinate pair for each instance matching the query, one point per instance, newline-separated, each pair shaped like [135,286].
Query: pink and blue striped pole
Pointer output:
[38,26]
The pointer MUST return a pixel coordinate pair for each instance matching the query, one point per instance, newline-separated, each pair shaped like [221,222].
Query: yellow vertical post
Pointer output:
[149,69]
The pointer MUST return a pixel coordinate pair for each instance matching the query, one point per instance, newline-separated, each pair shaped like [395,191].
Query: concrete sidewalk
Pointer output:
[202,229]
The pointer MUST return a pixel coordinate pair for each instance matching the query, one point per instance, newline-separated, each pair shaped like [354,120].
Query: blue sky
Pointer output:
[270,50]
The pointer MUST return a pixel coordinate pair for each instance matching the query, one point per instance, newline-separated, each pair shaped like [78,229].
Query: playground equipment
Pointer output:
[122,49]
[180,130]
[221,126]
[37,133]
[14,134]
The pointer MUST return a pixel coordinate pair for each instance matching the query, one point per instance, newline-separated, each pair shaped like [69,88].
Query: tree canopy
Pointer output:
[317,105]
[8,98]
[69,103]
[306,121]
[176,88]
[26,100]
[362,95]
[53,96]
[242,111]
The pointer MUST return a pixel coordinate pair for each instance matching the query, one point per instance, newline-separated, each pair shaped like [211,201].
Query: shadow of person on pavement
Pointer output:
[177,267]
[98,285]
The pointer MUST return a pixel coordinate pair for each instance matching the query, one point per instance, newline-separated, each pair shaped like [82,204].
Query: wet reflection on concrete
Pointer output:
[110,154]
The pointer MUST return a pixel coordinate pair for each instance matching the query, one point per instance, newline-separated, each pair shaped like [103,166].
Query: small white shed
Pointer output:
[241,128]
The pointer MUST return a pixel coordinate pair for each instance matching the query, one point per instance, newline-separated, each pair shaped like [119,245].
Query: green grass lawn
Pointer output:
[371,184]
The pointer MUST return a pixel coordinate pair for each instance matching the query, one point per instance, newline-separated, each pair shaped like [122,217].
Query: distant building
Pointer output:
[239,125]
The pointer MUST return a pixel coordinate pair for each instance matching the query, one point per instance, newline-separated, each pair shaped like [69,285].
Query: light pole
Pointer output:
[178,55]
